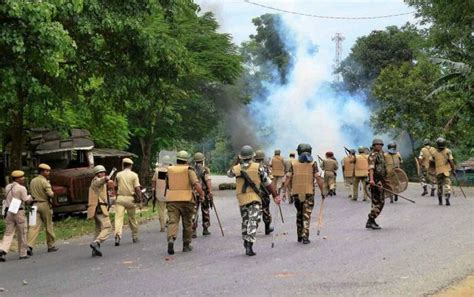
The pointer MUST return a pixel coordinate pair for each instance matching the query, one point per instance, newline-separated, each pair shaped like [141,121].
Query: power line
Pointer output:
[328,17]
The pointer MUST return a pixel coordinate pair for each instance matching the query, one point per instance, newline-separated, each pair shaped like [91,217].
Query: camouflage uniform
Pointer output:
[203,173]
[427,171]
[251,212]
[267,217]
[443,157]
[304,205]
[377,164]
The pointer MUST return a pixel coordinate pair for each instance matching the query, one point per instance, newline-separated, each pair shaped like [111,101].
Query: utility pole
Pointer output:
[338,38]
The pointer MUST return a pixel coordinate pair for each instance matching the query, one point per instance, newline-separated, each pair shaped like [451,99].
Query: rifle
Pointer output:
[321,160]
[153,202]
[459,185]
[347,151]
[111,174]
[393,193]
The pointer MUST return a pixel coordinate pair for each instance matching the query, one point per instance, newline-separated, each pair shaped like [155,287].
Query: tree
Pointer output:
[379,49]
[33,66]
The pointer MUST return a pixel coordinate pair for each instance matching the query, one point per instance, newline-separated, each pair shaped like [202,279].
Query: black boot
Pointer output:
[248,249]
[371,224]
[425,191]
[117,240]
[300,239]
[171,248]
[433,190]
[447,199]
[396,198]
[2,256]
[206,232]
[268,229]
[440,200]
[306,240]
[95,246]
[29,251]
[187,247]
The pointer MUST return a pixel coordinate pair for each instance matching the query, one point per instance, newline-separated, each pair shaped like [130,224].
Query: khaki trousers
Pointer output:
[277,183]
[355,189]
[348,180]
[125,203]
[44,217]
[15,222]
[185,211]
[162,213]
[103,227]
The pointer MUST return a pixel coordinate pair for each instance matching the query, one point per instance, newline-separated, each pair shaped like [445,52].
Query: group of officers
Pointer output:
[182,189]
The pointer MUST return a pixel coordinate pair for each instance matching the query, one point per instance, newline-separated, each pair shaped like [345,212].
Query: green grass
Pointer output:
[74,226]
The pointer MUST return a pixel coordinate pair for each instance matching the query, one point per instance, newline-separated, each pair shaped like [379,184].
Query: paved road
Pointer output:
[422,248]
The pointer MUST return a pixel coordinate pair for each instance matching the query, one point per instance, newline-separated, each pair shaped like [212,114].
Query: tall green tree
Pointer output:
[33,66]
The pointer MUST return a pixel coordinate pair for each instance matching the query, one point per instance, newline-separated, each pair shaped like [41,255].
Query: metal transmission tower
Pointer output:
[338,38]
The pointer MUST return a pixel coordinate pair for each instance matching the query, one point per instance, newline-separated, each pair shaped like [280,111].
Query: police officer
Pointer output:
[426,162]
[444,164]
[303,176]
[348,171]
[361,172]
[98,208]
[377,175]
[204,176]
[287,191]
[128,187]
[42,194]
[330,166]
[15,221]
[393,160]
[181,179]
[277,165]
[267,217]
[158,183]
[249,176]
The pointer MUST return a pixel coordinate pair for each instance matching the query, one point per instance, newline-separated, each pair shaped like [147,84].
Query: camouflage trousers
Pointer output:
[303,214]
[266,215]
[444,183]
[205,212]
[378,201]
[250,214]
[426,177]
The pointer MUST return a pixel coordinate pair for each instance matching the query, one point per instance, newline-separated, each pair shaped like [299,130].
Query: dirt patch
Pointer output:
[465,288]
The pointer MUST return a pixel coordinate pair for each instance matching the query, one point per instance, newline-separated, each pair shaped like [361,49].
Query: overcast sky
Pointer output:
[235,17]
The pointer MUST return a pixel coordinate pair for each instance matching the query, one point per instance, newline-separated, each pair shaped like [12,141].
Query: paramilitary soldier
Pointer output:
[377,175]
[265,195]
[303,176]
[180,181]
[15,221]
[393,160]
[444,164]
[287,191]
[204,176]
[158,183]
[427,174]
[128,191]
[361,172]
[330,166]
[42,193]
[348,171]
[249,176]
[277,165]
[98,208]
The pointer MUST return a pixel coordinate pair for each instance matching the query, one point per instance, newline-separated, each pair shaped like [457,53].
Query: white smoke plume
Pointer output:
[307,109]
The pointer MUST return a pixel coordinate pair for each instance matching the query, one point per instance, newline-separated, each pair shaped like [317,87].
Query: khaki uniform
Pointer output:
[330,167]
[348,173]
[97,209]
[250,203]
[278,171]
[392,161]
[126,181]
[303,177]
[286,194]
[15,222]
[160,179]
[361,173]
[443,170]
[180,201]
[42,193]
[427,171]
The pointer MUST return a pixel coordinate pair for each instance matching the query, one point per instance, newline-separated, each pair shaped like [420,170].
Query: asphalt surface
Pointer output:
[421,249]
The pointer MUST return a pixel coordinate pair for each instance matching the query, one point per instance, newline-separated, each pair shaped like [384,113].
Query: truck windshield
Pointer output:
[66,160]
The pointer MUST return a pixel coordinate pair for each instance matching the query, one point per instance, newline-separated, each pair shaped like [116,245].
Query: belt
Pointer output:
[104,204]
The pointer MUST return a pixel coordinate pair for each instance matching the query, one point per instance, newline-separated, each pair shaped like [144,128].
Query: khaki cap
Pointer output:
[17,173]
[44,166]
[127,161]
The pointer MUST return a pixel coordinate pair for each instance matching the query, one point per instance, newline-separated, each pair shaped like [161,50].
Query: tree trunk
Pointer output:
[145,145]
[17,133]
